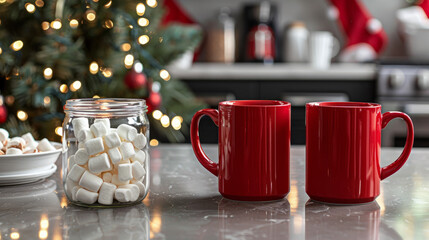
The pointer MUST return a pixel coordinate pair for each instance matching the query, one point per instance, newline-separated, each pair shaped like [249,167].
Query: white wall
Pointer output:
[312,12]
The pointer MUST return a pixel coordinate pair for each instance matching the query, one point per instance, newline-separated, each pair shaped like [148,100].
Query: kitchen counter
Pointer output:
[184,203]
[277,71]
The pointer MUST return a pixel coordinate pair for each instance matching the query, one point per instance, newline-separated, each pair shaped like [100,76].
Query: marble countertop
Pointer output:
[276,71]
[184,203]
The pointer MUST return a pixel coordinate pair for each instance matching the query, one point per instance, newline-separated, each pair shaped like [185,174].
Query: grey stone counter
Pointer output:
[184,203]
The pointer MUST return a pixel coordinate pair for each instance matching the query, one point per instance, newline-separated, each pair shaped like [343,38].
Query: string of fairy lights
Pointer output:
[94,67]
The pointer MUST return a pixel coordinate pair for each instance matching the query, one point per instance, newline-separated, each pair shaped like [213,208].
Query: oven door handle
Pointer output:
[416,109]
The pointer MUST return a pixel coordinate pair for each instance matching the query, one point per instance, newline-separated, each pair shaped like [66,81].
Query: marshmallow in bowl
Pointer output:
[29,139]
[4,135]
[13,151]
[16,143]
[45,146]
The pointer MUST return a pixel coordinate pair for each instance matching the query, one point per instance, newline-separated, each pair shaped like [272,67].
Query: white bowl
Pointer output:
[30,162]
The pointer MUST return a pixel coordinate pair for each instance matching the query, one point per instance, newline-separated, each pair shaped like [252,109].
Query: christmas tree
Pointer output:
[51,51]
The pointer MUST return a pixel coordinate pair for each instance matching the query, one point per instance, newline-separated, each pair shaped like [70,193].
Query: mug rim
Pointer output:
[255,103]
[344,105]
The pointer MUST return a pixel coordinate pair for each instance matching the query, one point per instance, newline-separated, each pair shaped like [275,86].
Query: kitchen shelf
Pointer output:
[277,71]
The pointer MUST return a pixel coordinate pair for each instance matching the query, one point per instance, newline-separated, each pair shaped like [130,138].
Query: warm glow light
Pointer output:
[126,47]
[47,73]
[108,24]
[93,68]
[10,100]
[1,50]
[44,221]
[90,15]
[143,39]
[59,131]
[165,121]
[40,3]
[22,115]
[45,25]
[43,234]
[154,142]
[293,196]
[140,9]
[164,74]
[64,202]
[96,96]
[157,114]
[56,24]
[129,60]
[75,86]
[17,45]
[151,3]
[30,7]
[107,5]
[107,73]
[2,1]
[176,123]
[14,235]
[64,88]
[74,23]
[143,22]
[46,100]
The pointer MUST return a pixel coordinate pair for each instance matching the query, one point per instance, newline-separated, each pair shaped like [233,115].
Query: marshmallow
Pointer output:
[68,187]
[99,164]
[15,143]
[19,139]
[137,170]
[140,156]
[84,135]
[30,149]
[90,181]
[135,191]
[127,132]
[140,141]
[13,151]
[4,135]
[117,182]
[1,145]
[94,146]
[81,145]
[112,140]
[81,157]
[29,139]
[85,196]
[141,186]
[115,155]
[107,191]
[1,152]
[113,130]
[74,192]
[105,121]
[107,177]
[125,172]
[45,146]
[79,124]
[99,129]
[71,161]
[76,173]
[123,194]
[127,150]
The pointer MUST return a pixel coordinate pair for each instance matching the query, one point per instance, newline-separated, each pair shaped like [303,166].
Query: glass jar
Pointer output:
[105,151]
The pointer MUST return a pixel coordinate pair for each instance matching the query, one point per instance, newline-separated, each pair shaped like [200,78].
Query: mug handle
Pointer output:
[195,139]
[396,165]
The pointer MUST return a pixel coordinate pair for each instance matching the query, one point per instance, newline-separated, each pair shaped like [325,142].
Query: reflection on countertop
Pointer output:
[184,203]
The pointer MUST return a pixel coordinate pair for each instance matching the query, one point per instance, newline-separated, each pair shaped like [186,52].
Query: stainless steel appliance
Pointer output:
[405,88]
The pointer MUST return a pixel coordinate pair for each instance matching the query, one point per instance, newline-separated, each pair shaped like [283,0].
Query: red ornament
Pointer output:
[134,80]
[3,114]
[153,101]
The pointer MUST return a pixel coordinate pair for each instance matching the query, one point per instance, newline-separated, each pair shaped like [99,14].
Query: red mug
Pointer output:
[343,151]
[254,146]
